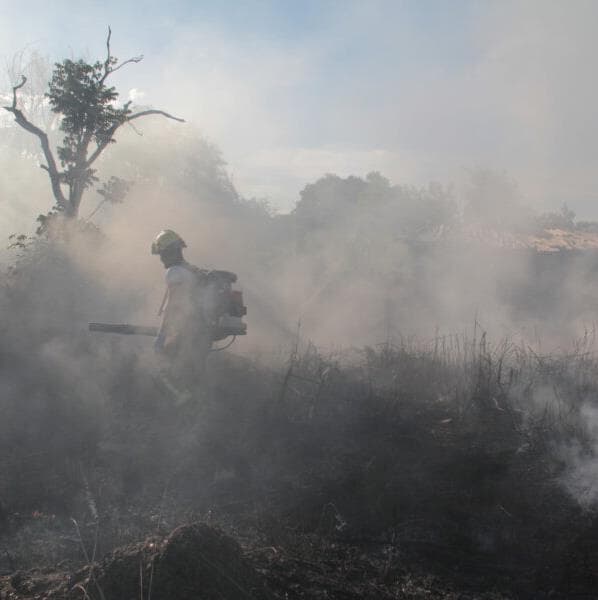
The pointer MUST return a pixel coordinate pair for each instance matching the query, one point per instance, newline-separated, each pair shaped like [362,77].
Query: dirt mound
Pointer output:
[201,562]
[196,562]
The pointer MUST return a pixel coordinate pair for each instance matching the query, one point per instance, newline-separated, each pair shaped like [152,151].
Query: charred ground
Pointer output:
[409,470]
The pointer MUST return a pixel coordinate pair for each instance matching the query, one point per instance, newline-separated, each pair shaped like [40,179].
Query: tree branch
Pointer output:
[139,133]
[100,148]
[95,210]
[51,168]
[107,63]
[102,145]
[152,111]
[134,59]
[108,69]
[14,92]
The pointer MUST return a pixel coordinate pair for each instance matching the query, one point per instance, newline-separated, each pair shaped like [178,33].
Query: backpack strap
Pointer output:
[202,275]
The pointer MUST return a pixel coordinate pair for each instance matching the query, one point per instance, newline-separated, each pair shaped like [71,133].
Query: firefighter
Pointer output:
[184,337]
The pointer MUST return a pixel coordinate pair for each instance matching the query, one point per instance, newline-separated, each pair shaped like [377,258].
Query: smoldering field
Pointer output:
[401,381]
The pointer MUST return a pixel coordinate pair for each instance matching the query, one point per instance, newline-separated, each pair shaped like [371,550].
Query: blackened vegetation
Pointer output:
[410,469]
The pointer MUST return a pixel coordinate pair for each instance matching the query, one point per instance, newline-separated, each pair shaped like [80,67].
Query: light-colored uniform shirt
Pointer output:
[179,275]
[181,310]
[184,326]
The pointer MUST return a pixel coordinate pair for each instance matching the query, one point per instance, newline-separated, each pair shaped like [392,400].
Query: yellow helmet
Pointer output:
[165,239]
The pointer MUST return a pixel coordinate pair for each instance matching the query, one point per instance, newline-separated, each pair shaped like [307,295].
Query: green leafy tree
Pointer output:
[89,118]
[372,206]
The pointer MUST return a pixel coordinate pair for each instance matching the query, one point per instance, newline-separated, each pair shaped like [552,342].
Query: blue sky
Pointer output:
[60,24]
[420,90]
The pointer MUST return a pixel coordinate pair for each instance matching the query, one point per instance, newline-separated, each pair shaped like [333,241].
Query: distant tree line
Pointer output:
[359,213]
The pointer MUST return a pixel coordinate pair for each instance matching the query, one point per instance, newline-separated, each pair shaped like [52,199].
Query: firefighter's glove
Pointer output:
[159,343]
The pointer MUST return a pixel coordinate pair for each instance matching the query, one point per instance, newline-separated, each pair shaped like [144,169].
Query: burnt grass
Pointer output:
[401,471]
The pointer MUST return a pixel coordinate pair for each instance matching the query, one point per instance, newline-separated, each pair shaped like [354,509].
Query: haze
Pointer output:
[419,91]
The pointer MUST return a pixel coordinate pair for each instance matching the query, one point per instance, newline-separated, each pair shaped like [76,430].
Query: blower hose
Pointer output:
[226,346]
